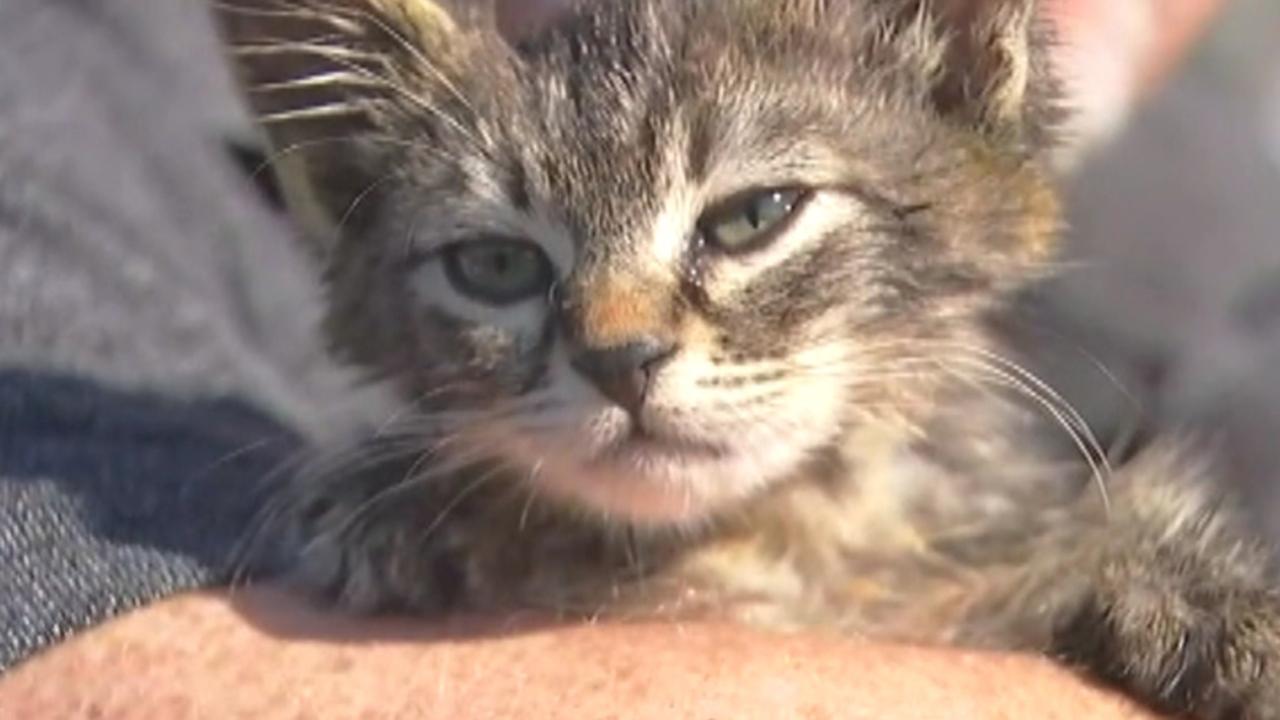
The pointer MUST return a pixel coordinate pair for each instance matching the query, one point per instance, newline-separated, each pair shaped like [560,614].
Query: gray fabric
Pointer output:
[131,249]
[136,257]
[1173,278]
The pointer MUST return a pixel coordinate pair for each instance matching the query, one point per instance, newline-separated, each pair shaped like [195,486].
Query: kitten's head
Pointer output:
[667,252]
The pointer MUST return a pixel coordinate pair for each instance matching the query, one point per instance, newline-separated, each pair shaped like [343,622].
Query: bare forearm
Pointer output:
[263,655]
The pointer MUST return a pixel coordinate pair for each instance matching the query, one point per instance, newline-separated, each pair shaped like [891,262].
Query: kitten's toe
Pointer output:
[368,559]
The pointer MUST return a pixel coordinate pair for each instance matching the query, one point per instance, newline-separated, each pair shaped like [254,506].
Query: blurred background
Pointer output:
[1173,275]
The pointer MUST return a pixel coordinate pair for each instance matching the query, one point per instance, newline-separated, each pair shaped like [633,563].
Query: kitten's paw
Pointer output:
[365,551]
[1209,653]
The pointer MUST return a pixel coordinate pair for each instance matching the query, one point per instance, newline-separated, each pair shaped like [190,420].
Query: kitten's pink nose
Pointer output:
[623,373]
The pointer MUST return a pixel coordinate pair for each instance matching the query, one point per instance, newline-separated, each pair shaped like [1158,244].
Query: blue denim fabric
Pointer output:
[110,499]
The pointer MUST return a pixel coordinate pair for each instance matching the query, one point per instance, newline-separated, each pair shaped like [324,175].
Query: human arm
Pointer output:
[265,655]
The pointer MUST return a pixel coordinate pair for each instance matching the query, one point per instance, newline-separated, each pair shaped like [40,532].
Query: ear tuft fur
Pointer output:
[325,76]
[982,63]
[987,63]
[987,67]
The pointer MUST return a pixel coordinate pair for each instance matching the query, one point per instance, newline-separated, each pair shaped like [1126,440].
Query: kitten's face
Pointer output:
[668,254]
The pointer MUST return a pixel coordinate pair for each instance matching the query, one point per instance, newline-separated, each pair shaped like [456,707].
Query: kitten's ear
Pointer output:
[988,67]
[326,78]
[990,62]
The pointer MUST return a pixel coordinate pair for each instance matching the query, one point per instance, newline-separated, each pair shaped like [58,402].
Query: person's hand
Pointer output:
[1144,38]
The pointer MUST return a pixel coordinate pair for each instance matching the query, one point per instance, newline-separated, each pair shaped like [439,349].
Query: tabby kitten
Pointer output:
[687,302]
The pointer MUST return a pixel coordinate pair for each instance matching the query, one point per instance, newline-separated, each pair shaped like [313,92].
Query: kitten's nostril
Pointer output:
[622,373]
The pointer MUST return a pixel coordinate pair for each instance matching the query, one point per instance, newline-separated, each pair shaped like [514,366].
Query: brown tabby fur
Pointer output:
[906,488]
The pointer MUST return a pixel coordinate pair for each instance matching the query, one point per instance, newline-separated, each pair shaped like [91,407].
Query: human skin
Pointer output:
[1157,38]
[263,655]
[266,655]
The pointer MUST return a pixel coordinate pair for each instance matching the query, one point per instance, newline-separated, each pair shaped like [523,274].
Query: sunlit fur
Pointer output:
[603,142]
[840,439]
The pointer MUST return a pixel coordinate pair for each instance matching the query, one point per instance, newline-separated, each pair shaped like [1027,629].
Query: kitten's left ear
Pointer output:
[983,63]
[993,69]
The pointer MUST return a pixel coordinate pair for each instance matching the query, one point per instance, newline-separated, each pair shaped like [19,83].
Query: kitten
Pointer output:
[688,302]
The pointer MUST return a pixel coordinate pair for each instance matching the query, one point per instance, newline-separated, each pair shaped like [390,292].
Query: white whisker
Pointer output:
[314,112]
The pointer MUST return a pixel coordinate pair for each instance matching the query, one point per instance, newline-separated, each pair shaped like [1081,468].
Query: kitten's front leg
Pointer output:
[1162,596]
[406,535]
[373,537]
[1207,651]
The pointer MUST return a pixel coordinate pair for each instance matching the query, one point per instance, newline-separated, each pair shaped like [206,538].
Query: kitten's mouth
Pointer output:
[641,443]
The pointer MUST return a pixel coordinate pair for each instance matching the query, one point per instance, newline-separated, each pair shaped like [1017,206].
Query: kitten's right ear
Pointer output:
[326,79]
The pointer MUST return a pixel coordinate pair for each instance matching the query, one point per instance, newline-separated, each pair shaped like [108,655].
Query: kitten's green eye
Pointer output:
[500,272]
[750,221]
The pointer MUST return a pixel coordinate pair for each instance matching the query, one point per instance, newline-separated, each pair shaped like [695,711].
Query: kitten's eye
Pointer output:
[750,221]
[499,272]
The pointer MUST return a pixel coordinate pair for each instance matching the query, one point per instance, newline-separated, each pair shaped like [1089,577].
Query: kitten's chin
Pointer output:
[648,485]
[646,480]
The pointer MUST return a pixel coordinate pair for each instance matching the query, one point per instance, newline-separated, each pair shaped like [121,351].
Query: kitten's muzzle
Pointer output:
[623,373]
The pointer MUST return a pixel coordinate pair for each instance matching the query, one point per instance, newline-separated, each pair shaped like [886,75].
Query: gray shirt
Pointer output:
[147,291]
